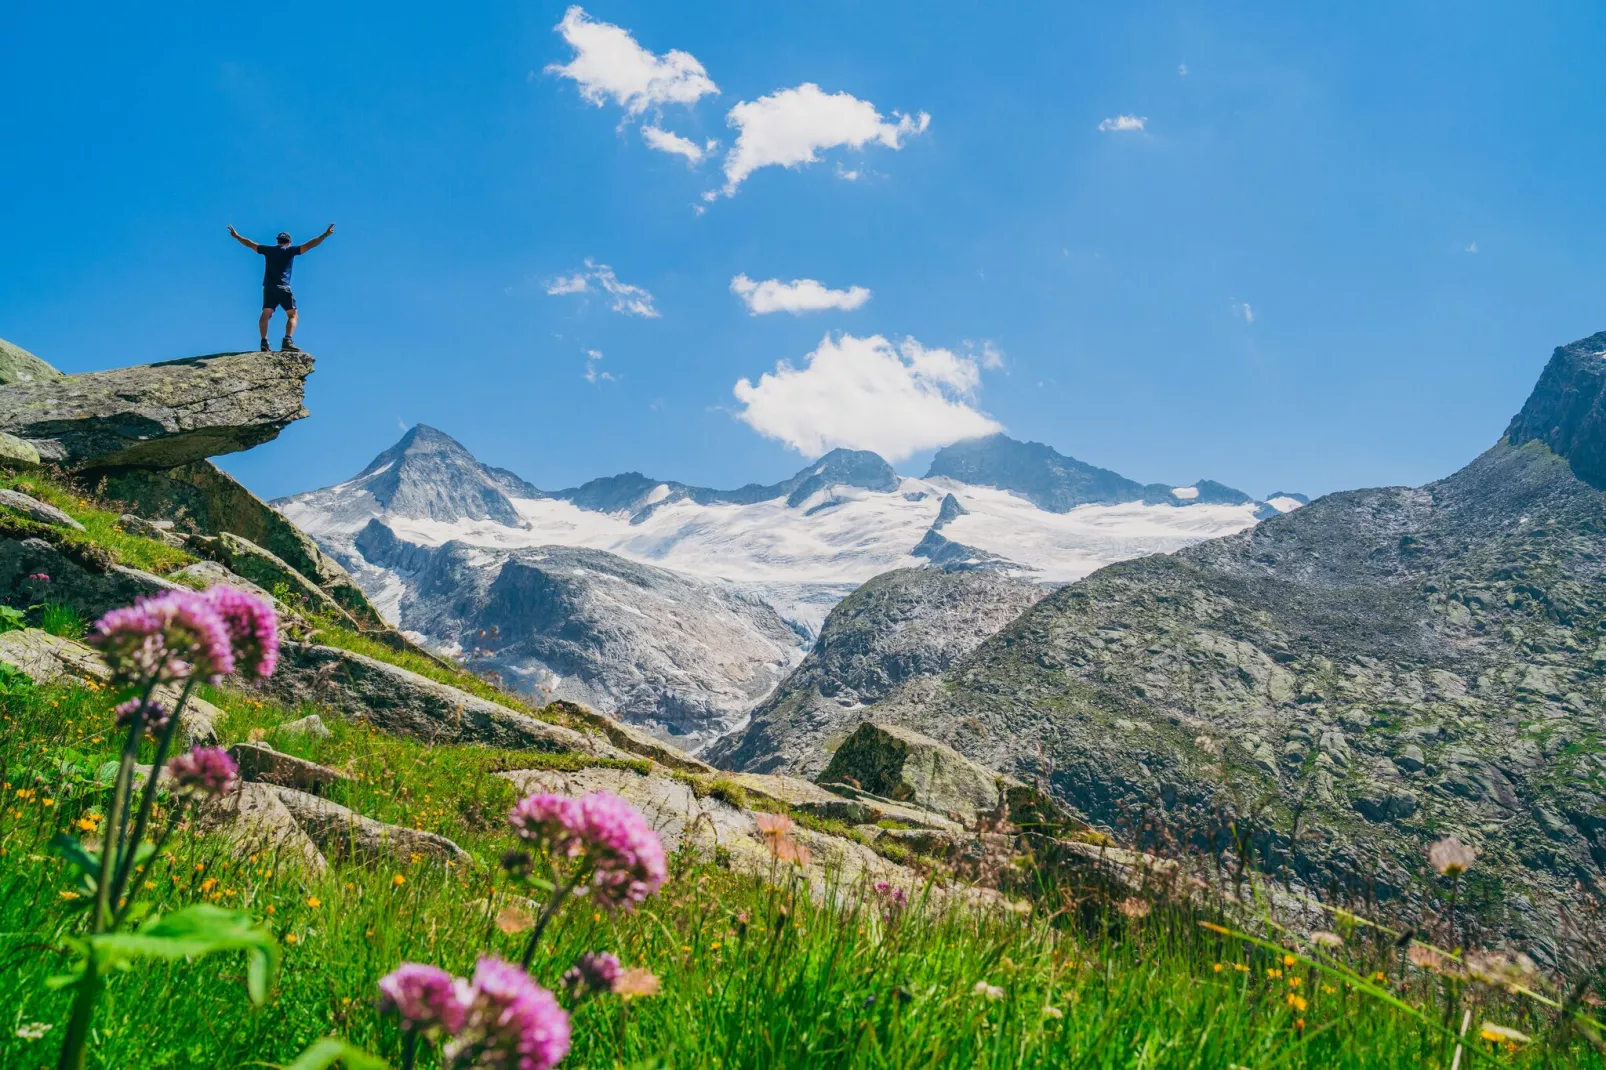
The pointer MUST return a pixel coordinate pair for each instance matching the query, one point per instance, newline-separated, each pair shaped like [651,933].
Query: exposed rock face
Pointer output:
[261,764]
[17,365]
[158,415]
[406,703]
[15,453]
[202,498]
[265,570]
[1413,662]
[679,658]
[1567,410]
[81,575]
[905,766]
[899,626]
[295,828]
[50,659]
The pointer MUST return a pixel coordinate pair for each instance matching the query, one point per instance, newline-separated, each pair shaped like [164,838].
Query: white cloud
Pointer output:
[1123,123]
[1472,247]
[789,127]
[1242,309]
[622,296]
[608,63]
[667,141]
[1182,69]
[593,374]
[992,358]
[799,295]
[869,394]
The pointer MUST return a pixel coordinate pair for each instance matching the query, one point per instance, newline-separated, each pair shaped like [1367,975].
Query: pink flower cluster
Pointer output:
[153,719]
[426,998]
[592,973]
[179,634]
[253,629]
[502,1018]
[208,770]
[609,837]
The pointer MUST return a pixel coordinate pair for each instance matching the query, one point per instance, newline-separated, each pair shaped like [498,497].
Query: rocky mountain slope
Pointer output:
[681,658]
[899,626]
[1392,664]
[738,558]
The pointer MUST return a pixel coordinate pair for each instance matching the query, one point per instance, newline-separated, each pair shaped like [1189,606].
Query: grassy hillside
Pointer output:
[752,975]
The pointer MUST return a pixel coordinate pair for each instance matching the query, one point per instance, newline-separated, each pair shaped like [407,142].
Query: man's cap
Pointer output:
[284,236]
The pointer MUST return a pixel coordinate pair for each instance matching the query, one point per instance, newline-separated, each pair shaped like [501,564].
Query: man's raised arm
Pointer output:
[247,242]
[315,242]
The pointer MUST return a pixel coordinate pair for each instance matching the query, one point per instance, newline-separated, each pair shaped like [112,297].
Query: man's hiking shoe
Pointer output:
[265,347]
[288,346]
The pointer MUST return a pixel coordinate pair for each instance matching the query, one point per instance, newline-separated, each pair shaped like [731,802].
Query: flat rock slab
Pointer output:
[400,701]
[158,415]
[267,571]
[310,725]
[51,659]
[294,828]
[262,764]
[680,818]
[809,797]
[34,509]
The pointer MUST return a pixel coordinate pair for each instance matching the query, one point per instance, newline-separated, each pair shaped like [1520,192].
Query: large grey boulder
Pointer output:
[51,659]
[81,574]
[400,701]
[292,828]
[903,765]
[17,365]
[158,415]
[15,453]
[202,498]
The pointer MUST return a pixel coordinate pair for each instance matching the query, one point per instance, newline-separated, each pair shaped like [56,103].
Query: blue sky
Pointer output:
[1336,254]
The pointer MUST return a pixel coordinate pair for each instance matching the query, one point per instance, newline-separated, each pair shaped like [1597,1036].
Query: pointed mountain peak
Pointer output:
[429,475]
[950,510]
[1567,409]
[841,467]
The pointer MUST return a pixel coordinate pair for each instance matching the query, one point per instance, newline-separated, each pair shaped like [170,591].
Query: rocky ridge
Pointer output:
[1392,665]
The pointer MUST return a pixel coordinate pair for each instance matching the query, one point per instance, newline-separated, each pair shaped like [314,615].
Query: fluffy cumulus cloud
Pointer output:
[796,297]
[1124,124]
[789,128]
[667,141]
[868,394]
[599,278]
[608,64]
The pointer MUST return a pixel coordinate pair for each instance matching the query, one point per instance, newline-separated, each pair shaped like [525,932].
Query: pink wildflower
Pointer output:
[511,1023]
[207,770]
[253,628]
[172,636]
[551,822]
[41,577]
[629,860]
[592,973]
[426,998]
[154,719]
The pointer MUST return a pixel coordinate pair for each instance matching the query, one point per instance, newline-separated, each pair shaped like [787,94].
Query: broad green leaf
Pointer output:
[330,1050]
[106,774]
[197,930]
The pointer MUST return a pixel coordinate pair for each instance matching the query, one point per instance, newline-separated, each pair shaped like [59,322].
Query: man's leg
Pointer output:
[290,325]
[262,323]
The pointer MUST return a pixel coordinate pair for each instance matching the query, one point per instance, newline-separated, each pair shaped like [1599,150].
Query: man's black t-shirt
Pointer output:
[276,265]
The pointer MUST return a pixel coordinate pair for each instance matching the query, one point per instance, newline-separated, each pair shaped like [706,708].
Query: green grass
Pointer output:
[752,976]
[100,524]
[61,620]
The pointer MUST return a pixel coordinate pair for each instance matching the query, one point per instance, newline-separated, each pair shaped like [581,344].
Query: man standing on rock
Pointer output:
[276,281]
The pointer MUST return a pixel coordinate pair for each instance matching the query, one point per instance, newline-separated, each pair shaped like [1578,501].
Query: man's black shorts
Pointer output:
[278,297]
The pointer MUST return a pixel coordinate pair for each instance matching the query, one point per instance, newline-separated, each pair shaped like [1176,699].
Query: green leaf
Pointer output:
[85,861]
[330,1050]
[194,931]
[106,774]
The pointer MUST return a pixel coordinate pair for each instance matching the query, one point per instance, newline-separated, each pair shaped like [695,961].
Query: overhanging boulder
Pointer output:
[157,415]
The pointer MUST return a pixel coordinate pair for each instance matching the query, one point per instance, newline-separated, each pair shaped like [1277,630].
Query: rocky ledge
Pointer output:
[157,415]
